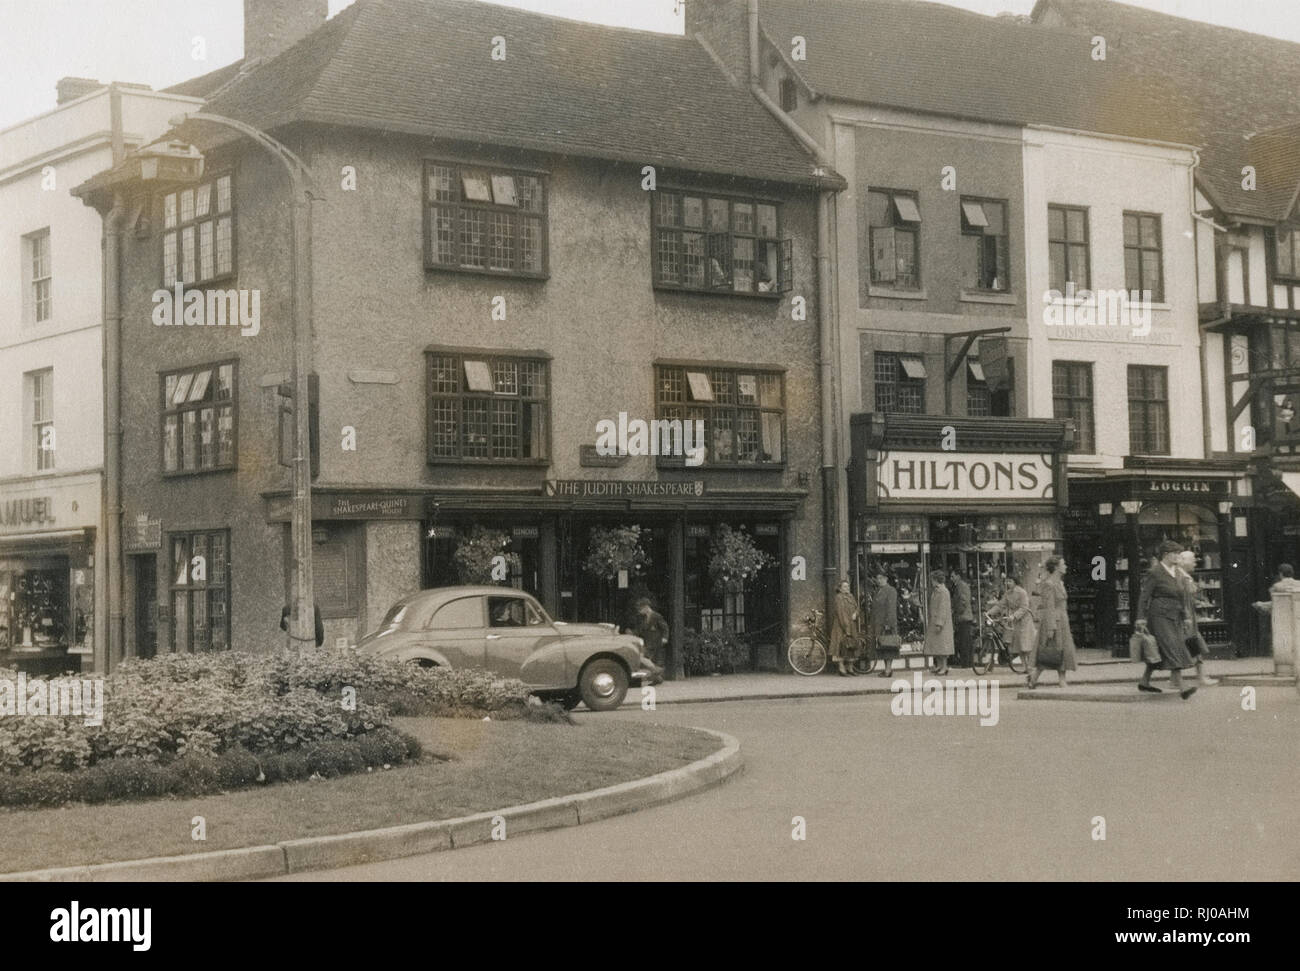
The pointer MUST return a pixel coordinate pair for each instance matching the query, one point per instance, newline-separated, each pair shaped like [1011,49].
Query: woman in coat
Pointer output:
[938,625]
[884,623]
[1054,639]
[844,627]
[1162,610]
[1014,606]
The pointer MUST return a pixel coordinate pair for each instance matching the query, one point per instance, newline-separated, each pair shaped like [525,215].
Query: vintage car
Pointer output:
[508,632]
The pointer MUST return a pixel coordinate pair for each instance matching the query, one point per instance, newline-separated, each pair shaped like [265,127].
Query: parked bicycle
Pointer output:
[808,654]
[993,650]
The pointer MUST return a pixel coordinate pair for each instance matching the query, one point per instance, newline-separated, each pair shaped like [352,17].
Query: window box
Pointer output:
[482,219]
[720,244]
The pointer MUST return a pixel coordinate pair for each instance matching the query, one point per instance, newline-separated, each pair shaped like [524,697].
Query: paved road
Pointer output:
[1196,790]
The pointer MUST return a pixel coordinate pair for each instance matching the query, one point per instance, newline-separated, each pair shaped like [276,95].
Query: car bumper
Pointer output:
[648,673]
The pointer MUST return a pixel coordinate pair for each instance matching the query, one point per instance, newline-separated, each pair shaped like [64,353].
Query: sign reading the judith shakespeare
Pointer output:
[622,489]
[943,476]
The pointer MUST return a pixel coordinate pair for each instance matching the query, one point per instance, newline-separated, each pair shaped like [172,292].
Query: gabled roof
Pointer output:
[565,86]
[203,85]
[930,57]
[1233,81]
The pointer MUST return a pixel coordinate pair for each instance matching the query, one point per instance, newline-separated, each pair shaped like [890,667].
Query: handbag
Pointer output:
[889,640]
[1050,653]
[1196,645]
[1143,647]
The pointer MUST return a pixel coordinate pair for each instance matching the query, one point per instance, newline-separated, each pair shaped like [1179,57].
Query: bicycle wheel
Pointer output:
[984,655]
[807,656]
[1016,662]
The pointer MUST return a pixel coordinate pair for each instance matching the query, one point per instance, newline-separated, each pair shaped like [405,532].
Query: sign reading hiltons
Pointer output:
[949,475]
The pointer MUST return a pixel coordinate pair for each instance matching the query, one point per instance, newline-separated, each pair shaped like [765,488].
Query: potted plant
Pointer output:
[476,556]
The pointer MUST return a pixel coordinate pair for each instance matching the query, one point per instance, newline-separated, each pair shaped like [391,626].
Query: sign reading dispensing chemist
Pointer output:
[942,476]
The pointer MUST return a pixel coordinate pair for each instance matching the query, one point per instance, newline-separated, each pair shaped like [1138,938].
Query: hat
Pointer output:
[1168,546]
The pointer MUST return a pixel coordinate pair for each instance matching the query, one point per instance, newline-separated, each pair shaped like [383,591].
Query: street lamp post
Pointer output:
[302,626]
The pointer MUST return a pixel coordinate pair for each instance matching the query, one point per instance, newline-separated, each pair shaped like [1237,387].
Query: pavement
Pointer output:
[1095,668]
[839,788]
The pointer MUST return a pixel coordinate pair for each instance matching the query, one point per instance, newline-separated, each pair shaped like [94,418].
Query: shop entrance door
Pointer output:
[146,605]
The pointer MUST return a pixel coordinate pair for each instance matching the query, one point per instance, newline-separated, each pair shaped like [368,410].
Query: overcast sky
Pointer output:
[151,41]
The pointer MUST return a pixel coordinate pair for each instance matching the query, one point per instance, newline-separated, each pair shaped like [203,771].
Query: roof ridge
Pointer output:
[1067,5]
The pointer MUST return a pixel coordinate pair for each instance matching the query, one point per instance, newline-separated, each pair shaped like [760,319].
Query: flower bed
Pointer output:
[190,723]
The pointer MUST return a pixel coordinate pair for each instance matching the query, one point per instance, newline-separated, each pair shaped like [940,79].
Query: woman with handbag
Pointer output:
[1195,642]
[1054,649]
[844,628]
[884,624]
[1162,609]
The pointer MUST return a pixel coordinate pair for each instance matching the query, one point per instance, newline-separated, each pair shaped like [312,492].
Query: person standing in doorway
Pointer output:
[844,629]
[938,625]
[1192,633]
[1162,610]
[884,624]
[653,629]
[1055,647]
[963,618]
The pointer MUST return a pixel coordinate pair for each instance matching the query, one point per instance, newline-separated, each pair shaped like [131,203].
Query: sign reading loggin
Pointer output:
[943,476]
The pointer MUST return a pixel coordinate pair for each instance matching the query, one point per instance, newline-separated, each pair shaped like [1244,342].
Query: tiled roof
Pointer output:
[934,58]
[1231,83]
[424,66]
[203,85]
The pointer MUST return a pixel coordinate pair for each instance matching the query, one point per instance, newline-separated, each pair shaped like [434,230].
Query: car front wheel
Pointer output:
[603,684]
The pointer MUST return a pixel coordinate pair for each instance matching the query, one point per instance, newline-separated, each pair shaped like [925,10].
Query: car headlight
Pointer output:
[639,642]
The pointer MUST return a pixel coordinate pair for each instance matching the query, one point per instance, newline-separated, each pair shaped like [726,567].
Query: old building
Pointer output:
[1010,198]
[524,227]
[53,603]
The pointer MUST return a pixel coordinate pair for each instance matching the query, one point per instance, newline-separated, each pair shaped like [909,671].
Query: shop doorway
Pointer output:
[146,605]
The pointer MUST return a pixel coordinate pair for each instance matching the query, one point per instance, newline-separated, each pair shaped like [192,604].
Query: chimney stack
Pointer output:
[272,26]
[724,25]
[70,89]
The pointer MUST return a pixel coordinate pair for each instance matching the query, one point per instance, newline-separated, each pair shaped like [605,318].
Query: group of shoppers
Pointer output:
[1166,609]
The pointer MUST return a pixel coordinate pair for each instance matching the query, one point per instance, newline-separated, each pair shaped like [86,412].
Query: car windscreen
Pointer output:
[394,616]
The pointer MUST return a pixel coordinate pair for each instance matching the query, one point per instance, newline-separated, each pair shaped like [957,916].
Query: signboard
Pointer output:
[1033,547]
[525,532]
[993,357]
[144,535]
[367,507]
[1183,487]
[945,476]
[29,511]
[893,547]
[622,489]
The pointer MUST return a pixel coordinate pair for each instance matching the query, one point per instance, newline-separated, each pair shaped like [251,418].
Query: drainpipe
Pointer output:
[112,248]
[828,328]
[1207,443]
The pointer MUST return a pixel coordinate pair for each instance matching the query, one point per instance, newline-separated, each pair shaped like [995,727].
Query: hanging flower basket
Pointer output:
[615,548]
[476,556]
[735,559]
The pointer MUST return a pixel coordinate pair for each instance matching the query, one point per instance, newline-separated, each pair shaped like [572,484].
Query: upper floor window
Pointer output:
[40,411]
[900,383]
[985,264]
[198,243]
[1067,243]
[1142,255]
[1148,410]
[1287,242]
[198,419]
[720,244]
[484,220]
[488,407]
[743,410]
[895,231]
[1072,399]
[36,262]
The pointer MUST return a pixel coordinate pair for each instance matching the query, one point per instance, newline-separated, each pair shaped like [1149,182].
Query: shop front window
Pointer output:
[1195,528]
[34,612]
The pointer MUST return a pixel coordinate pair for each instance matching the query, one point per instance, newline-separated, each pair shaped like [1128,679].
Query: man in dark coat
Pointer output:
[963,618]
[884,624]
[653,629]
[320,624]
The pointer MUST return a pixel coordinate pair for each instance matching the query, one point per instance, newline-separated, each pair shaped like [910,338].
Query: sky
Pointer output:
[152,41]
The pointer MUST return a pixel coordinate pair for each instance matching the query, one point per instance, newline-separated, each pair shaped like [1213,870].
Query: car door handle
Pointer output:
[493,637]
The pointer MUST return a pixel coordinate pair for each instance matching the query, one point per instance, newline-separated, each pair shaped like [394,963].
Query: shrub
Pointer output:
[713,652]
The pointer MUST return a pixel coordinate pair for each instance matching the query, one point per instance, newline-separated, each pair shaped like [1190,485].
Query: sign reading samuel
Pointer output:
[622,489]
[952,475]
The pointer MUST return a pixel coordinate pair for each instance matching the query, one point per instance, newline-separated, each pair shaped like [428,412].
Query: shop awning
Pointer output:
[1292,480]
